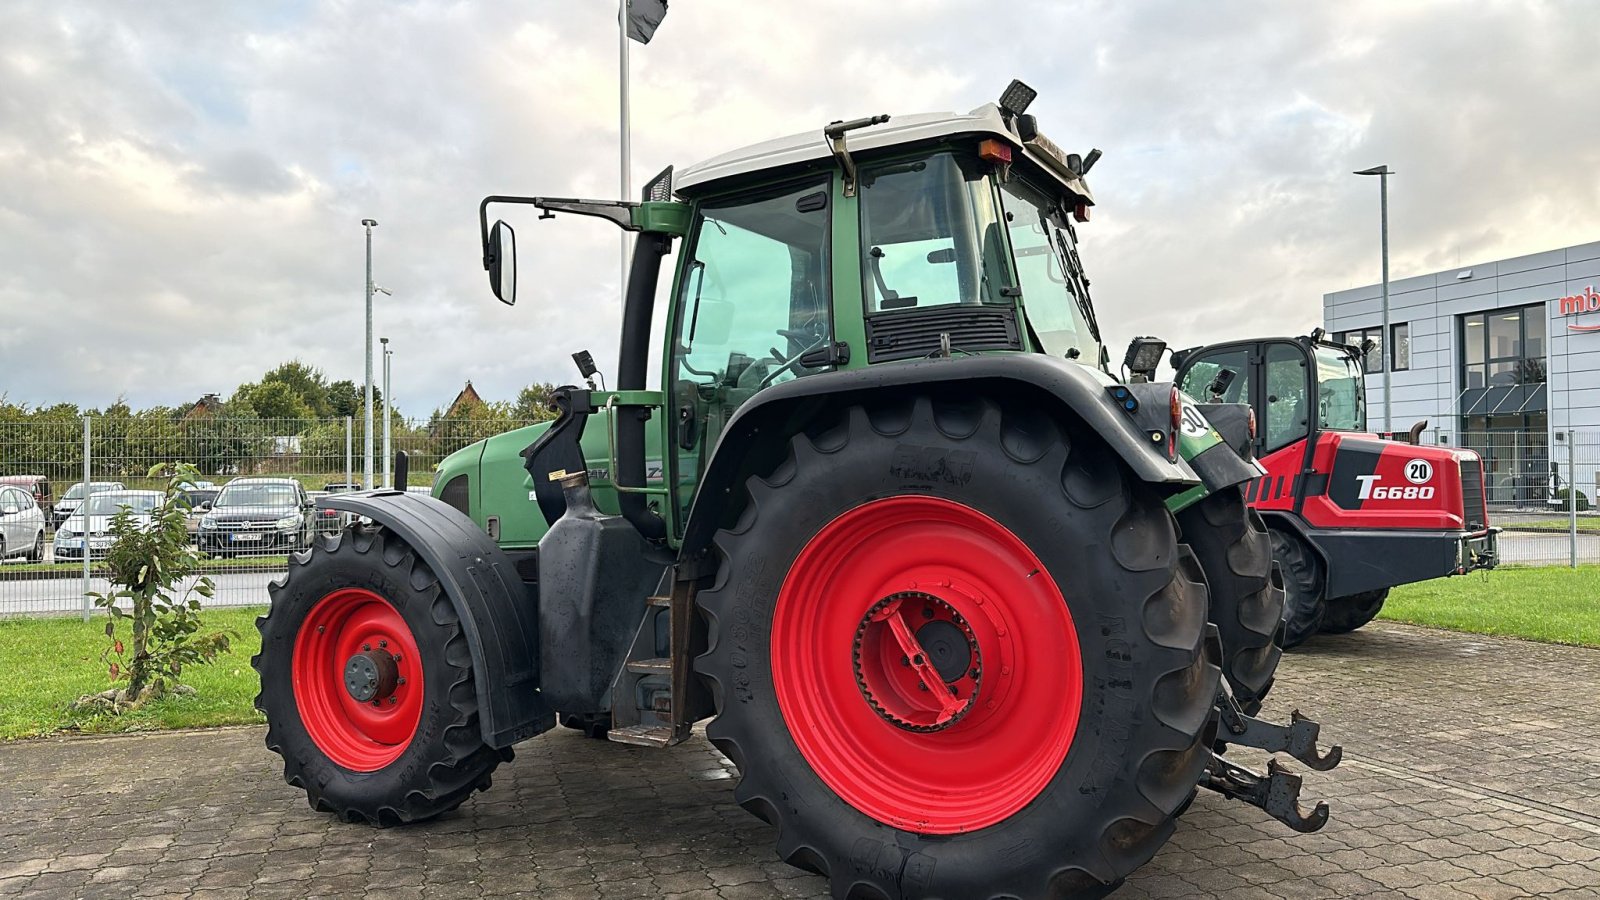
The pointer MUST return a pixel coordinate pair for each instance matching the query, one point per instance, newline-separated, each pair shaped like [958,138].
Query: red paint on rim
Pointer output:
[999,755]
[362,737]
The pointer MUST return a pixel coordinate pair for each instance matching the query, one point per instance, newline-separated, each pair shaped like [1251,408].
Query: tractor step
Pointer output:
[1277,793]
[1298,739]
[656,736]
[656,698]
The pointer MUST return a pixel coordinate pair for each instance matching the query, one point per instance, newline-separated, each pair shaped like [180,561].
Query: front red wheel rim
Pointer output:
[357,679]
[962,735]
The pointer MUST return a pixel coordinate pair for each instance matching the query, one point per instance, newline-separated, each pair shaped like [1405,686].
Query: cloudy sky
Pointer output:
[182,181]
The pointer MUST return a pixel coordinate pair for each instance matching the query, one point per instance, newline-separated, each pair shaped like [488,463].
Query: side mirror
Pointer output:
[205,506]
[500,258]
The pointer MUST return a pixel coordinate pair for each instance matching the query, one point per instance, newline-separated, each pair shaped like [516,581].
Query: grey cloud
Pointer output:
[181,184]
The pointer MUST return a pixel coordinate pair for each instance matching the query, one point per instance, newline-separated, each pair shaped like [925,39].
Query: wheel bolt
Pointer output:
[923,685]
[927,613]
[383,643]
[393,700]
[399,681]
[397,657]
[366,646]
[973,673]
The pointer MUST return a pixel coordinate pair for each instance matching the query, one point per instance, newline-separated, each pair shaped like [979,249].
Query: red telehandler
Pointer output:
[1351,514]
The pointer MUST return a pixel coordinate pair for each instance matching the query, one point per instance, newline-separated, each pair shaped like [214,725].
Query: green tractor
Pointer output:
[973,617]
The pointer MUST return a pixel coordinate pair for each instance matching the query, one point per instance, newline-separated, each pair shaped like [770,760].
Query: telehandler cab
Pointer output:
[973,618]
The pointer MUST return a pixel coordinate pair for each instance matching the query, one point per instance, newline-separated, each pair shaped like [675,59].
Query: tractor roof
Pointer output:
[811,146]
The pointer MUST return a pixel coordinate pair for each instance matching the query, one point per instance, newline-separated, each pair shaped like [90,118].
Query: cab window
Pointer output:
[1042,241]
[1203,372]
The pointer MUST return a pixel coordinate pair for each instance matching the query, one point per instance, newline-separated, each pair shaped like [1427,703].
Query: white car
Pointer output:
[102,507]
[69,502]
[21,525]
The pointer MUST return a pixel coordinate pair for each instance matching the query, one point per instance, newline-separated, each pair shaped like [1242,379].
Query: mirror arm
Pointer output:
[618,212]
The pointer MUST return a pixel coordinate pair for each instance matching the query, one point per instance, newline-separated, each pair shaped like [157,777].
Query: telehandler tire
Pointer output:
[1346,614]
[367,683]
[956,651]
[1246,590]
[1303,604]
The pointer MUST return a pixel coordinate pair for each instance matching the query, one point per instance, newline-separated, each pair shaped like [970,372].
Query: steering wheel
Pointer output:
[788,364]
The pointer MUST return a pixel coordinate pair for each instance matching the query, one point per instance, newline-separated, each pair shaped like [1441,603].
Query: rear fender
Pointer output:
[758,433]
[499,617]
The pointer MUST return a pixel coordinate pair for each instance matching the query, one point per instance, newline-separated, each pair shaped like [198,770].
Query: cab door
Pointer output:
[752,309]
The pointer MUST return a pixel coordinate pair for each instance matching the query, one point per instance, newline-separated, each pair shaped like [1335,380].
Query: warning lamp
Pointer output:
[995,151]
[1177,422]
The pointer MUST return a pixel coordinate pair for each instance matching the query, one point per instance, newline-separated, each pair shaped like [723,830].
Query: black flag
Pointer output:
[644,17]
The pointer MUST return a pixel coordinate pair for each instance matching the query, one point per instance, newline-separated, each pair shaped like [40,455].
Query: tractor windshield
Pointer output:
[931,235]
[1341,404]
[1054,293]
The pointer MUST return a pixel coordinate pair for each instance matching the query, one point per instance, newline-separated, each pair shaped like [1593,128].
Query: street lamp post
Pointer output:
[1389,350]
[366,347]
[388,455]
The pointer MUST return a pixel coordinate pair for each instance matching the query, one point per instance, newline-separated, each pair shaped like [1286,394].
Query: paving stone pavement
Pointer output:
[1471,770]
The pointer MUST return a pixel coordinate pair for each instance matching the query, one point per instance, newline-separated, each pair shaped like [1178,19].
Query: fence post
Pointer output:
[349,461]
[83,509]
[1572,496]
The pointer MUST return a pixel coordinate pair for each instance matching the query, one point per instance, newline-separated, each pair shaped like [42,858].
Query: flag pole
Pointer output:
[625,151]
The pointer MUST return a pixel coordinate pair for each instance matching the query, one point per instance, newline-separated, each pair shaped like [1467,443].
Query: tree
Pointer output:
[533,403]
[305,381]
[346,398]
[146,564]
[273,400]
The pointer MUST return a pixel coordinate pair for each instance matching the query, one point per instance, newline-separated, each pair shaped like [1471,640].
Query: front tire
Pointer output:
[1303,604]
[1346,614]
[1246,590]
[37,553]
[1052,601]
[363,614]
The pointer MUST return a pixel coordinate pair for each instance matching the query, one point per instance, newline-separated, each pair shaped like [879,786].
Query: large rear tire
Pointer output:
[361,614]
[1246,591]
[1346,614]
[1051,600]
[1303,604]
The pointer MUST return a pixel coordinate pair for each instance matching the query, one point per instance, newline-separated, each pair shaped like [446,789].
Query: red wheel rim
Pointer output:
[848,685]
[360,735]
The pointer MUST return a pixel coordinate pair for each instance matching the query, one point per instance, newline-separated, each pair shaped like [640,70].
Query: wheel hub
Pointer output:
[917,662]
[371,675]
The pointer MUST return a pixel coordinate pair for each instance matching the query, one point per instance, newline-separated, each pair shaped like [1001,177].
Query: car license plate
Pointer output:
[246,537]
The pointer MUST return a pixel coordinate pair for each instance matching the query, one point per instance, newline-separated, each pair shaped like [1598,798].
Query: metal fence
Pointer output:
[249,504]
[256,473]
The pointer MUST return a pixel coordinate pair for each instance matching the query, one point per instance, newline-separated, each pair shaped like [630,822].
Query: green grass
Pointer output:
[1587,524]
[45,664]
[1551,604]
[206,565]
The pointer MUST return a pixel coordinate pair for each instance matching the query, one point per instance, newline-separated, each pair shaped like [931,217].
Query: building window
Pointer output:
[1503,347]
[1401,345]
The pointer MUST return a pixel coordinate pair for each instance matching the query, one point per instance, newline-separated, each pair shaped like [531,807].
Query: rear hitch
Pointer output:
[1298,739]
[1278,794]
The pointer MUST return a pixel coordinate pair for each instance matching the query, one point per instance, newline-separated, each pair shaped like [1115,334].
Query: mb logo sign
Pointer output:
[1578,304]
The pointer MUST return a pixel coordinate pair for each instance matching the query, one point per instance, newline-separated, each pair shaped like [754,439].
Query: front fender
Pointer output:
[499,617]
[768,419]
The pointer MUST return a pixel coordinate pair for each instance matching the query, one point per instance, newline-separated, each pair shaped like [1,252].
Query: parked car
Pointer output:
[328,521]
[36,485]
[257,515]
[90,526]
[21,524]
[200,500]
[68,504]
